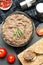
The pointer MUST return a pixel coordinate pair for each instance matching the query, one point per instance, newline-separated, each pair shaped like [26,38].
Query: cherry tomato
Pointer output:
[4,0]
[40,31]
[3,52]
[1,4]
[11,58]
[5,3]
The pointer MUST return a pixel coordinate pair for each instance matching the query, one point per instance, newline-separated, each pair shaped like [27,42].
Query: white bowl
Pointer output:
[7,7]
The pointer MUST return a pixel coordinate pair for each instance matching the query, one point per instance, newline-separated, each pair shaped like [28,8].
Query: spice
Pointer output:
[39,11]
[27,3]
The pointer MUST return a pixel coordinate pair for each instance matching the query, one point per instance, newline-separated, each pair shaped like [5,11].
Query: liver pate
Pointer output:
[17,29]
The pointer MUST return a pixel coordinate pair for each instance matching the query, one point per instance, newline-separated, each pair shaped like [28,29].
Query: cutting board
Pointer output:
[39,59]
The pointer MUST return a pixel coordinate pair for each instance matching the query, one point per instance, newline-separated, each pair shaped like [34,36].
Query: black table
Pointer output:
[13,50]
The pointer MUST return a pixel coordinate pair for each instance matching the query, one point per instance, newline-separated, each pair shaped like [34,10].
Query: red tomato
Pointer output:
[11,58]
[1,4]
[4,0]
[5,3]
[40,31]
[3,52]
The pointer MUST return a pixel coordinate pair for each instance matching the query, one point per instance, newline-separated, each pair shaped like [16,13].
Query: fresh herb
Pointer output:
[18,32]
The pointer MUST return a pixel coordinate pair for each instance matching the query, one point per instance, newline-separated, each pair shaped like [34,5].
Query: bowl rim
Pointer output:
[19,12]
[7,7]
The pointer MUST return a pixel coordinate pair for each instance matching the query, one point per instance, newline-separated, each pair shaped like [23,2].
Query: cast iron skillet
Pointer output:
[19,12]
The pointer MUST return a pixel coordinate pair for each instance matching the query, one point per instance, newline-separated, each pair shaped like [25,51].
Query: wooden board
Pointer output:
[38,60]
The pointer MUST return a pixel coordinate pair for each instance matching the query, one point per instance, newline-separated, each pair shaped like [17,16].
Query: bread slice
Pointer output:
[39,58]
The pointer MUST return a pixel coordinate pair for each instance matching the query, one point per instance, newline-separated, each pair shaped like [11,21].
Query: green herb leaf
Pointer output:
[18,32]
